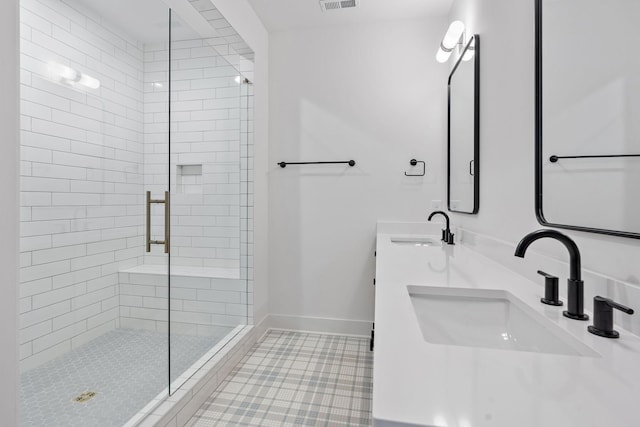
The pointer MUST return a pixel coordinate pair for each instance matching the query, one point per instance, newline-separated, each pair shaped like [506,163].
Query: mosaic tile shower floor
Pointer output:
[126,368]
[295,379]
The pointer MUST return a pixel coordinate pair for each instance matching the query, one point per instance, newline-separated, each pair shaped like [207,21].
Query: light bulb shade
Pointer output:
[468,55]
[470,50]
[69,76]
[62,71]
[88,81]
[442,56]
[452,37]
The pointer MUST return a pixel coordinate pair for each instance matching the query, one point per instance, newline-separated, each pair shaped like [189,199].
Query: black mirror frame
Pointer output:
[475,167]
[538,143]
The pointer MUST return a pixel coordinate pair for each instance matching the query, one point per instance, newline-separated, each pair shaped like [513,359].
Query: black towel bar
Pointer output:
[284,164]
[554,159]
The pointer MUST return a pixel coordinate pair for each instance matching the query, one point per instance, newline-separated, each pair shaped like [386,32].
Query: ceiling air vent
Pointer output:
[334,4]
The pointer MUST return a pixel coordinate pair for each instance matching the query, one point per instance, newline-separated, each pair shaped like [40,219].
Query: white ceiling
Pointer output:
[282,15]
[146,21]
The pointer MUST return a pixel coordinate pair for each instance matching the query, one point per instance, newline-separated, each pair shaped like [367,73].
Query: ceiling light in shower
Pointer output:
[72,77]
[62,71]
[88,81]
[237,79]
[450,40]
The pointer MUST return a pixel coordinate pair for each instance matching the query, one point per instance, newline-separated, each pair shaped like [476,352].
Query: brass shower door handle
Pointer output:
[167,216]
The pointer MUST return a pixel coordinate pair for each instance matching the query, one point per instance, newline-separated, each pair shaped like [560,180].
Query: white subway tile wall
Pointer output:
[237,53]
[88,156]
[205,139]
[235,49]
[200,306]
[81,175]
[246,189]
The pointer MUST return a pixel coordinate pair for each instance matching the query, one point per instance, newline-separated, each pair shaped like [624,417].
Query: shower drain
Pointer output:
[87,395]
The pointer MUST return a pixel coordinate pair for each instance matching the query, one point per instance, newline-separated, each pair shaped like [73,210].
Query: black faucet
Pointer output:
[447,235]
[603,317]
[575,290]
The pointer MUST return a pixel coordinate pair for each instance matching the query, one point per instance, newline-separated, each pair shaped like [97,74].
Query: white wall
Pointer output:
[506,28]
[9,110]
[373,93]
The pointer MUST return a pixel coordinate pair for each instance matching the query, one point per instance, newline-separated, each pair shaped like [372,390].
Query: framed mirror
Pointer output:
[587,108]
[463,125]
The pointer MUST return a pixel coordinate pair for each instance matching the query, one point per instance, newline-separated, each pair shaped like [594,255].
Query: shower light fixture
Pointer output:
[451,39]
[88,81]
[72,77]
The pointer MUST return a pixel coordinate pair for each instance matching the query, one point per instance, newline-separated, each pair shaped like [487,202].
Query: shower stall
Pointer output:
[135,203]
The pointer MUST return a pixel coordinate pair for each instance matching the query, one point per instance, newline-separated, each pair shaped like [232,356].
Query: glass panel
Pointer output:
[587,141]
[208,293]
[463,189]
[95,138]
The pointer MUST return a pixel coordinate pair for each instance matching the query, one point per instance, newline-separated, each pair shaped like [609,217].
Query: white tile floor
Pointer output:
[295,379]
[126,368]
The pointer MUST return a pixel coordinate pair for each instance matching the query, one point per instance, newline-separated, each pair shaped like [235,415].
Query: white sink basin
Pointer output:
[490,319]
[416,241]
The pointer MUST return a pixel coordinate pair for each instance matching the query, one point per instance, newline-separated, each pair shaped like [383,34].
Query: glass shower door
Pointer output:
[207,292]
[133,248]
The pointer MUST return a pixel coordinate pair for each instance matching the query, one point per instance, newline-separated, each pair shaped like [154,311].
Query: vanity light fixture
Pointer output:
[451,39]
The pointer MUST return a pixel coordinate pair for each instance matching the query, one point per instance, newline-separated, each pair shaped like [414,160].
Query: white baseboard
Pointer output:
[360,328]
[259,313]
[261,328]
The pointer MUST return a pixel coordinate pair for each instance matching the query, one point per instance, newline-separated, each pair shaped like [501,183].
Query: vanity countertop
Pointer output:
[424,384]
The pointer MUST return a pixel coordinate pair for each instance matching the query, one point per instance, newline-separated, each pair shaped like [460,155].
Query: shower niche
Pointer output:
[189,179]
